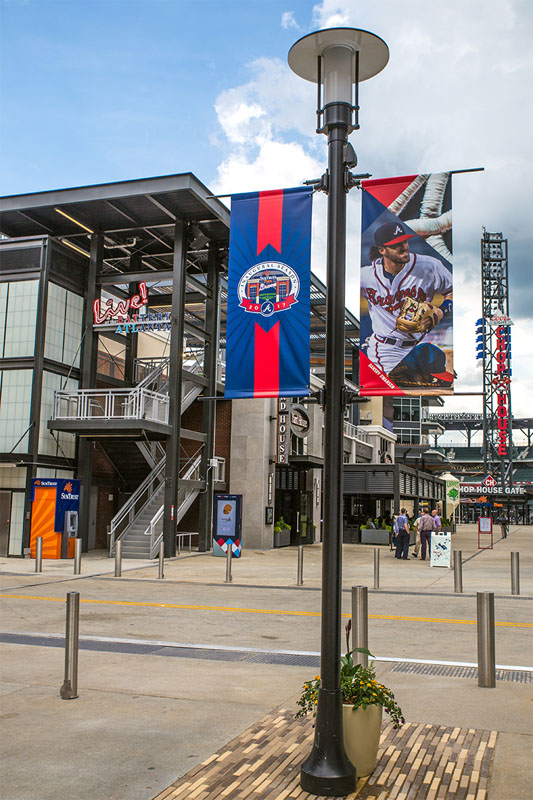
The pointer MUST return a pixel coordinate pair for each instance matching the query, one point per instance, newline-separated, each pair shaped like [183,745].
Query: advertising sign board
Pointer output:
[441,550]
[227,524]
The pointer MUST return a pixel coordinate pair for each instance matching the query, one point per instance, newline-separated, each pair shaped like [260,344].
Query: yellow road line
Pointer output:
[279,612]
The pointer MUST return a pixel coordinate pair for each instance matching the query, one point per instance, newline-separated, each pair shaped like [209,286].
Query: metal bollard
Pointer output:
[39,554]
[457,571]
[486,650]
[360,622]
[69,689]
[77,556]
[161,560]
[229,556]
[376,568]
[300,575]
[515,573]
[118,559]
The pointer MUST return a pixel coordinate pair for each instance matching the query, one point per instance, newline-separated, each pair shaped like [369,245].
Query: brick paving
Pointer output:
[426,762]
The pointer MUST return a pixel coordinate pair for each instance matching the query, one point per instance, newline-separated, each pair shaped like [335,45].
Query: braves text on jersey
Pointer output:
[421,278]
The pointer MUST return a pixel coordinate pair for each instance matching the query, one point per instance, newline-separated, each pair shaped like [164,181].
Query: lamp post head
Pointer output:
[337,60]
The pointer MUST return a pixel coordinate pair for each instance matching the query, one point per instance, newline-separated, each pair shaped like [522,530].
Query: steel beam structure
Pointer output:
[497,412]
[37,384]
[89,360]
[212,323]
[174,387]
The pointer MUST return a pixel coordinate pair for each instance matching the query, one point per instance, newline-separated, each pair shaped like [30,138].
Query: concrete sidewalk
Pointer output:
[147,715]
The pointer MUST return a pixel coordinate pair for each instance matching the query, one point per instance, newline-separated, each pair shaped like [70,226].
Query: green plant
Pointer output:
[280,524]
[359,687]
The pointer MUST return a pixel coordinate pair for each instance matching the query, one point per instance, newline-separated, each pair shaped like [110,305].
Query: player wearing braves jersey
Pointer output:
[399,287]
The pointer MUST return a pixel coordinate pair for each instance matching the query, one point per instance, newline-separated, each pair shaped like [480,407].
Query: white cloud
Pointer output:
[238,119]
[453,96]
[288,21]
[330,15]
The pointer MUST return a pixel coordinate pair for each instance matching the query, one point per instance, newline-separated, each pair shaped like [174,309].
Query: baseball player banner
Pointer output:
[269,279]
[407,286]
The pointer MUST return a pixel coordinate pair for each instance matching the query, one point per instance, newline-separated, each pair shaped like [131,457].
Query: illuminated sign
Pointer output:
[283,431]
[478,488]
[500,319]
[501,383]
[145,323]
[121,310]
[300,422]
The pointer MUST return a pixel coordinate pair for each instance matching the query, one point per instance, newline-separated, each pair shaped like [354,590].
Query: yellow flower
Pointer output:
[317,677]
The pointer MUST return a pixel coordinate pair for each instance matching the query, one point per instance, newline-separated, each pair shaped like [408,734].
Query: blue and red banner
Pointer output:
[269,278]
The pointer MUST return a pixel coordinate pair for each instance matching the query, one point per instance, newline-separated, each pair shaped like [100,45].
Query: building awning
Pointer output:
[306,462]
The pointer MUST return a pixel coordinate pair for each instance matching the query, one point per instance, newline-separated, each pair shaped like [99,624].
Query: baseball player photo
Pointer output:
[407,285]
[408,295]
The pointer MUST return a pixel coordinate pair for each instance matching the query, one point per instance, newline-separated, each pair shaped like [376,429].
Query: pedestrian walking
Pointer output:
[403,536]
[416,548]
[504,526]
[427,526]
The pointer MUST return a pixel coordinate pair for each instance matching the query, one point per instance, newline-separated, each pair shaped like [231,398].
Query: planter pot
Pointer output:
[362,729]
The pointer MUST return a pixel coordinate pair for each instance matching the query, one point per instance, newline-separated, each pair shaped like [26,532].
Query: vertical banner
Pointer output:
[269,278]
[406,286]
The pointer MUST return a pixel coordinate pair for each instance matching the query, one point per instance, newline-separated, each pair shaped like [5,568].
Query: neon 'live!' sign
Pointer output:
[120,310]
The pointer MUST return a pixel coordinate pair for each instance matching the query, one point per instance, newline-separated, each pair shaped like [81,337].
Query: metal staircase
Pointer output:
[139,523]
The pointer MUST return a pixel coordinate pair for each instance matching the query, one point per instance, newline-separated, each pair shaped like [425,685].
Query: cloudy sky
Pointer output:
[104,90]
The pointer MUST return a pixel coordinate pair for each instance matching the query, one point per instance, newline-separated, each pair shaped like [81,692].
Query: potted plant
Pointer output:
[282,531]
[364,700]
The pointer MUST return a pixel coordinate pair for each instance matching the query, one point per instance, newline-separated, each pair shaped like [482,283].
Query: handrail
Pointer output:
[150,378]
[150,531]
[129,505]
[350,430]
[155,539]
[85,404]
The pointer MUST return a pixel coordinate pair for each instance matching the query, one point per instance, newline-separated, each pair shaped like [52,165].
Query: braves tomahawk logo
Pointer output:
[267,288]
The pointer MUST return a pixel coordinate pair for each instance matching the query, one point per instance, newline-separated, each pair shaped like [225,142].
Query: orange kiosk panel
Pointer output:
[55,504]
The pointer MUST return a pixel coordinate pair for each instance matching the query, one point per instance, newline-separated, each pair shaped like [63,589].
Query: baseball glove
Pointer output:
[417,316]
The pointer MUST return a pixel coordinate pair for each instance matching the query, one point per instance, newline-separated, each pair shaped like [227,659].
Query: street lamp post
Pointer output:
[336,59]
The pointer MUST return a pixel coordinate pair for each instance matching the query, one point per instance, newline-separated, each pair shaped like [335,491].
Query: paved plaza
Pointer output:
[177,676]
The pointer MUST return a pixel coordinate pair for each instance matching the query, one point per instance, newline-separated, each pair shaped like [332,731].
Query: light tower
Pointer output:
[494,348]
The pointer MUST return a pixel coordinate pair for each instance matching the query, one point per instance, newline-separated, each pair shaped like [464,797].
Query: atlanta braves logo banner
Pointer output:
[269,278]
[407,286]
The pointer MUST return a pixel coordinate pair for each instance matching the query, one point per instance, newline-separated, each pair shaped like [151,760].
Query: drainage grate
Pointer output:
[515,675]
[154,649]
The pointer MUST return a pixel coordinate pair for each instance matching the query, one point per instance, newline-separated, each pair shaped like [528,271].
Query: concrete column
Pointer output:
[250,437]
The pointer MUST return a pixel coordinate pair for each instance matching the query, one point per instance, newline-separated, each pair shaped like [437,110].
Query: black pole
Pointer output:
[327,770]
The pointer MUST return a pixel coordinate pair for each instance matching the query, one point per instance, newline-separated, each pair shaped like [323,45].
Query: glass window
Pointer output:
[12,478]
[64,320]
[408,435]
[18,315]
[60,444]
[46,472]
[16,525]
[15,403]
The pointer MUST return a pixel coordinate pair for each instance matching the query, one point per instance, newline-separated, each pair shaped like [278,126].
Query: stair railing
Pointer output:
[135,504]
[154,530]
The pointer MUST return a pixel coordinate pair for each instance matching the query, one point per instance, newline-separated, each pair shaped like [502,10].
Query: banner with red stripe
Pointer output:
[269,278]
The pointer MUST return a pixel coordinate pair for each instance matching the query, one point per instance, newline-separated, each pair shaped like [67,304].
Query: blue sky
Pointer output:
[101,90]
[94,91]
